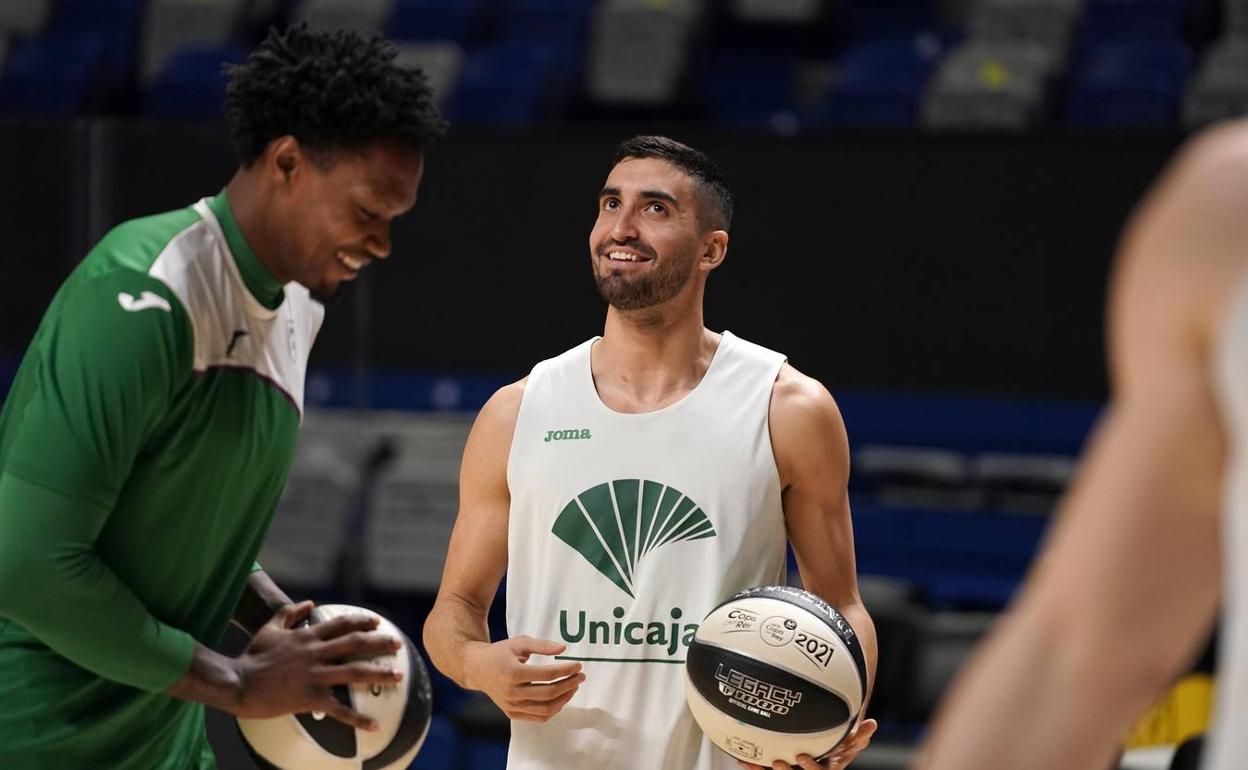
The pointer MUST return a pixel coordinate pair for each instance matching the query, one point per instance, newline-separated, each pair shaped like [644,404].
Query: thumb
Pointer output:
[527,645]
[290,615]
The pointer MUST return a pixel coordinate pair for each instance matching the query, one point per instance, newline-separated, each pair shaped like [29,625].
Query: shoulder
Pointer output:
[136,243]
[805,423]
[798,400]
[1184,251]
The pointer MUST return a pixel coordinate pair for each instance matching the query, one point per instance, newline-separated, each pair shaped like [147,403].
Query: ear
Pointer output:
[285,160]
[714,251]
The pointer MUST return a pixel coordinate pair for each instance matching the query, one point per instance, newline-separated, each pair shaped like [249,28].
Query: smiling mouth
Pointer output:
[624,256]
[354,264]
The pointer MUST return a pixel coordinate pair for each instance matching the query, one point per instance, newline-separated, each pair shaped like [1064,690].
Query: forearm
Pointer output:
[860,620]
[1035,697]
[55,585]
[455,628]
[211,679]
[260,600]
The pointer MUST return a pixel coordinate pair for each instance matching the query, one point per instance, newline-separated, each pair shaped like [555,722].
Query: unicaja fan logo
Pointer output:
[616,524]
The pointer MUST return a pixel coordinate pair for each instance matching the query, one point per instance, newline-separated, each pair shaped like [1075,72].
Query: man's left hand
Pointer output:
[851,747]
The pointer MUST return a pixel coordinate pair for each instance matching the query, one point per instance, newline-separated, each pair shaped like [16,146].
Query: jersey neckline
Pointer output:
[256,277]
[726,339]
[254,307]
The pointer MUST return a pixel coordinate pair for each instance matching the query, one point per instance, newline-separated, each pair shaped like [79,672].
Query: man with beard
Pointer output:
[631,484]
[152,423]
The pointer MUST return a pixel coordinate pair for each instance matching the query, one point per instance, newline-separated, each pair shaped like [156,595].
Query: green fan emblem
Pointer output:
[615,524]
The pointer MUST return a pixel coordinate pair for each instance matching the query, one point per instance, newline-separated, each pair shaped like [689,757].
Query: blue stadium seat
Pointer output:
[191,85]
[114,24]
[562,25]
[1130,83]
[748,89]
[876,18]
[49,75]
[441,749]
[1134,18]
[432,20]
[879,83]
[511,83]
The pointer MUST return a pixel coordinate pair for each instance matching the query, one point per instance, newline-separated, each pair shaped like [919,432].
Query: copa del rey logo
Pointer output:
[615,526]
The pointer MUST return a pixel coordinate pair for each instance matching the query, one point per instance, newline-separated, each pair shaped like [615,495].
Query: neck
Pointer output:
[248,204]
[649,358]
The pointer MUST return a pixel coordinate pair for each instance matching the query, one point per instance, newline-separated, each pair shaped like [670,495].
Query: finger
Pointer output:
[357,645]
[527,674]
[290,615]
[344,624]
[781,765]
[807,762]
[346,715]
[542,693]
[527,645]
[356,673]
[545,708]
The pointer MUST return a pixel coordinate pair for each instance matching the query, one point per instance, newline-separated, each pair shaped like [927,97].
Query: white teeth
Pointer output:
[623,256]
[352,263]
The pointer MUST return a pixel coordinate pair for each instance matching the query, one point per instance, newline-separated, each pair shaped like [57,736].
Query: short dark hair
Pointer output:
[709,180]
[331,91]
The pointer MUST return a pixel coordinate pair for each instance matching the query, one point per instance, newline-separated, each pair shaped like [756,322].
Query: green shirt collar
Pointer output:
[260,282]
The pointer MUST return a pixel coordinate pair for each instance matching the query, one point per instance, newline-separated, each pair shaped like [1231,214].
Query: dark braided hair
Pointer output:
[331,91]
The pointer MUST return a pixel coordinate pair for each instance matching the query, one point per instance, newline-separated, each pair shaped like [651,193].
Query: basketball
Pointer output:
[317,742]
[775,672]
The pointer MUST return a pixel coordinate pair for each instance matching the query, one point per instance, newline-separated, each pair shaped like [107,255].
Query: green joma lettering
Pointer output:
[574,434]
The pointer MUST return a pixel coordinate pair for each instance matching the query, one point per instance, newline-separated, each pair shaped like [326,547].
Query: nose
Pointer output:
[378,244]
[624,228]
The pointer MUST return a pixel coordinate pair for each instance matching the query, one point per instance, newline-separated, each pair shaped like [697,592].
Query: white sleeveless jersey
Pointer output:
[1228,747]
[625,531]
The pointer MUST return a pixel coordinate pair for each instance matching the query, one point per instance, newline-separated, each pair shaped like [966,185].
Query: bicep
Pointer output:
[812,451]
[100,377]
[477,557]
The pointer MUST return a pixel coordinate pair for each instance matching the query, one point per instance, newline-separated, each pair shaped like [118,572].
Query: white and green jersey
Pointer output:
[143,448]
[625,531]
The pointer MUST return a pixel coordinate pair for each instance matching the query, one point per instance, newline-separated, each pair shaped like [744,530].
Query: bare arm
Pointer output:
[456,633]
[812,456]
[260,600]
[1127,587]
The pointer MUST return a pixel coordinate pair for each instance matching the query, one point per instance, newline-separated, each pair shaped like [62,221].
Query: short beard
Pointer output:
[645,291]
[330,298]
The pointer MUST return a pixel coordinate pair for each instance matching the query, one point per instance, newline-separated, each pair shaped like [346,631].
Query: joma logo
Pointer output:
[567,435]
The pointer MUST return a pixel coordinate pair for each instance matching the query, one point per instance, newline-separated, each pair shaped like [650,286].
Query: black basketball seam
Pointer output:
[779,593]
[416,667]
[773,664]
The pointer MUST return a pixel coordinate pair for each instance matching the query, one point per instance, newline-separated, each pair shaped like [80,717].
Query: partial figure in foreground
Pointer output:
[660,414]
[154,418]
[1128,586]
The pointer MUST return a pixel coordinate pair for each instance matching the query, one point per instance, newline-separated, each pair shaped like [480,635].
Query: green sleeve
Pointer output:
[256,567]
[95,386]
[55,585]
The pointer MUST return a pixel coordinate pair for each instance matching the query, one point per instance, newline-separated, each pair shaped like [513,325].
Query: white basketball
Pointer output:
[317,742]
[775,672]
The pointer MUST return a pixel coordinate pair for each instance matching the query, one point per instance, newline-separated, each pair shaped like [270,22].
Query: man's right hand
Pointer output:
[290,667]
[530,693]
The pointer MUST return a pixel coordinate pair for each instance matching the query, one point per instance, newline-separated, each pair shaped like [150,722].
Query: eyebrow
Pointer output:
[649,194]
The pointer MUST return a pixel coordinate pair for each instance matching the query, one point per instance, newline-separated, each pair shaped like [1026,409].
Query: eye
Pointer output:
[610,204]
[657,208]
[367,215]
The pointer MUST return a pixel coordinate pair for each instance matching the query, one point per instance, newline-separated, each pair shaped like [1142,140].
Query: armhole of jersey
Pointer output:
[535,376]
[776,368]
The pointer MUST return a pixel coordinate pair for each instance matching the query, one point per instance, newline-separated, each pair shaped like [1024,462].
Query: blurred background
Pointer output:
[929,196]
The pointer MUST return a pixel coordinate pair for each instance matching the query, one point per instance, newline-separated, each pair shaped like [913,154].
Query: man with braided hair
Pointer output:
[154,418]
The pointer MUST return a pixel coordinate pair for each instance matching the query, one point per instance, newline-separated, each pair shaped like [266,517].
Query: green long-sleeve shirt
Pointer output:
[143,448]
